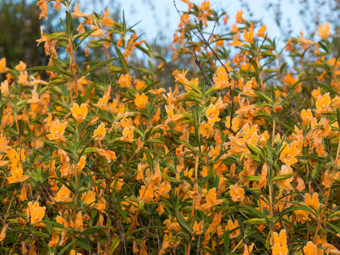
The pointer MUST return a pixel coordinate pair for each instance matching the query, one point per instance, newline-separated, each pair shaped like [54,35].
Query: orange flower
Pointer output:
[57,130]
[172,117]
[285,184]
[249,35]
[288,154]
[221,79]
[3,67]
[236,42]
[248,250]
[35,213]
[54,241]
[212,113]
[146,193]
[323,102]
[109,155]
[262,31]
[236,193]
[239,18]
[125,81]
[81,164]
[279,243]
[206,129]
[78,224]
[301,216]
[4,88]
[233,228]
[312,201]
[21,66]
[88,197]
[117,184]
[77,13]
[79,113]
[16,166]
[100,132]
[211,200]
[73,252]
[323,31]
[106,20]
[140,84]
[23,193]
[128,133]
[63,195]
[3,233]
[102,102]
[141,101]
[197,228]
[306,116]
[263,180]
[310,249]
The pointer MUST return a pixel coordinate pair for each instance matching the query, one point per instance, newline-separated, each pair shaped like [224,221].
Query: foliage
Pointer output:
[240,156]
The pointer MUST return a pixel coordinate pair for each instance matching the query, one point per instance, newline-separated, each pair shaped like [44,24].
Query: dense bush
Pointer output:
[239,156]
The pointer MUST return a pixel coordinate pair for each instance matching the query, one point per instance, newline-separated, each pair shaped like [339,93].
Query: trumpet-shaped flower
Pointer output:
[79,112]
[35,213]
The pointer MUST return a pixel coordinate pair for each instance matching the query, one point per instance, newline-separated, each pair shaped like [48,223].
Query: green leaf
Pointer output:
[282,177]
[114,244]
[183,223]
[68,23]
[122,60]
[63,250]
[255,221]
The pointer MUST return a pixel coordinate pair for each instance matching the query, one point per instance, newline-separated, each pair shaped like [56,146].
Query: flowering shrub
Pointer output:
[239,156]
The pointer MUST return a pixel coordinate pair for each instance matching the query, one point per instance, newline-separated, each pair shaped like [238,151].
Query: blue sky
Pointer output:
[164,16]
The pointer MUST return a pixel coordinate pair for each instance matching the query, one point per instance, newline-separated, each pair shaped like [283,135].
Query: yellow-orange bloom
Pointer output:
[109,155]
[106,20]
[233,228]
[206,129]
[323,102]
[100,132]
[54,240]
[79,113]
[310,249]
[63,195]
[236,193]
[16,166]
[262,31]
[128,133]
[3,67]
[324,31]
[89,197]
[197,228]
[288,154]
[285,184]
[21,66]
[312,201]
[221,79]
[172,117]
[141,101]
[279,243]
[81,164]
[248,250]
[125,81]
[57,131]
[35,213]
[73,252]
[211,200]
[306,116]
[239,18]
